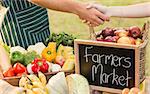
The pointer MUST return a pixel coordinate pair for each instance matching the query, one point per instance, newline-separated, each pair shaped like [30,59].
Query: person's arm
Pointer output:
[60,5]
[70,6]
[131,11]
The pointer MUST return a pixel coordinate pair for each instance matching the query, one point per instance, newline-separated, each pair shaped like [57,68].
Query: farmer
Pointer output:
[26,23]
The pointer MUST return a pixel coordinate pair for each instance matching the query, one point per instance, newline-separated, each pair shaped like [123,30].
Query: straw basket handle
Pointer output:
[145,29]
[92,33]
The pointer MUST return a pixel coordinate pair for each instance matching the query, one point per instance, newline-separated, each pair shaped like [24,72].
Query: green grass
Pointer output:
[69,23]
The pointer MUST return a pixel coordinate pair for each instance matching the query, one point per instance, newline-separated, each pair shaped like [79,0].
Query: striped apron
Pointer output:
[25,23]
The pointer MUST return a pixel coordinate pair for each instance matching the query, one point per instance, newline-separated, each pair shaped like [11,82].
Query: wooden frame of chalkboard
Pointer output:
[110,67]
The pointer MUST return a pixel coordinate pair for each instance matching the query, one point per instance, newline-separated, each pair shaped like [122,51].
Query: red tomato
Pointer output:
[19,68]
[9,73]
[44,67]
[39,65]
[35,68]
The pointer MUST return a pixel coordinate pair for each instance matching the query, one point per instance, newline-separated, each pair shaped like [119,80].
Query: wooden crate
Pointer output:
[90,64]
[138,63]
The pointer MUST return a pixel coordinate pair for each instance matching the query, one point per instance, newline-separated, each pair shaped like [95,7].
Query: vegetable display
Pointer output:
[29,65]
[57,56]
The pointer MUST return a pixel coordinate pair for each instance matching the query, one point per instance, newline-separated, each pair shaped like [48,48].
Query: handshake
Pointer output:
[97,15]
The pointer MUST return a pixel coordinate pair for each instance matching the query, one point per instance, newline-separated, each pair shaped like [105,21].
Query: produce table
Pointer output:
[147,88]
[117,49]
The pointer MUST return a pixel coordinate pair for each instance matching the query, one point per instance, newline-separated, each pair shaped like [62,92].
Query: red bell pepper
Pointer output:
[35,68]
[39,65]
[19,68]
[9,72]
[44,67]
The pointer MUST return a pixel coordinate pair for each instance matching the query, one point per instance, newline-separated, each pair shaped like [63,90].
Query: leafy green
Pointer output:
[29,57]
[61,38]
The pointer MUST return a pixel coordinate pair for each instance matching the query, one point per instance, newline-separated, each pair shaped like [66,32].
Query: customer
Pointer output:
[130,11]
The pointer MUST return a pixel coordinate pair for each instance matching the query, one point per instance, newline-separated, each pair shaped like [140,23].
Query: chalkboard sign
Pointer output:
[107,65]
